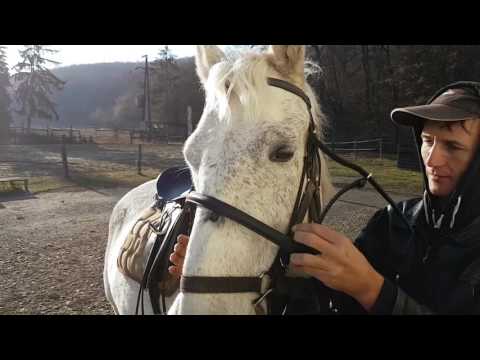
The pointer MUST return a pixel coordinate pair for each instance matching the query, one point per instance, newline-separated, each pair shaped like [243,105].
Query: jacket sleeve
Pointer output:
[392,300]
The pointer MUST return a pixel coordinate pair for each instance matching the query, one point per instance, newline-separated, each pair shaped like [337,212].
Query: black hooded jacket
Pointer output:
[436,268]
[425,272]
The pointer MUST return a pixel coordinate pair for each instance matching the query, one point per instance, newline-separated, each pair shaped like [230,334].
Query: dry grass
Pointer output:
[90,166]
[82,181]
[109,166]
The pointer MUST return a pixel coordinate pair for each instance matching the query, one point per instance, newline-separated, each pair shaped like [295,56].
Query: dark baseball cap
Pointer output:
[455,102]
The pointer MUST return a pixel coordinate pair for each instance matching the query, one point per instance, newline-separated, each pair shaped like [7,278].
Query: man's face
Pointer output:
[447,152]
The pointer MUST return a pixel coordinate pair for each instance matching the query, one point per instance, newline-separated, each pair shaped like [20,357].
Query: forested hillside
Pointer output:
[359,85]
[104,95]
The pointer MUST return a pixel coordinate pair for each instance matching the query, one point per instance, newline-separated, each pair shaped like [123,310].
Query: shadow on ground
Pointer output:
[14,196]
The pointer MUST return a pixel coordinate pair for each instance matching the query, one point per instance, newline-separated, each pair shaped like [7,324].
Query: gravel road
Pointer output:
[52,247]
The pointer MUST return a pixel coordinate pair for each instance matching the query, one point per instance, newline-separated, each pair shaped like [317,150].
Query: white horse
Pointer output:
[247,151]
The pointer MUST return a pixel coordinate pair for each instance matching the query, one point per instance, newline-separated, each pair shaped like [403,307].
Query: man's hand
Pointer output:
[341,266]
[178,256]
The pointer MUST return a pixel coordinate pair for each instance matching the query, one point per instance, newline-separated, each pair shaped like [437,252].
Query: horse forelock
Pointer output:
[241,73]
[246,75]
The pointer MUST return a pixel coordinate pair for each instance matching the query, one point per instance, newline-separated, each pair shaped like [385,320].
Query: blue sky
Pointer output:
[88,54]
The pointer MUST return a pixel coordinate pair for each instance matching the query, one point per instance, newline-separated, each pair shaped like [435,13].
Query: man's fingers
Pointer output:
[320,230]
[178,256]
[180,249]
[314,241]
[175,270]
[314,261]
[176,260]
[317,273]
[182,239]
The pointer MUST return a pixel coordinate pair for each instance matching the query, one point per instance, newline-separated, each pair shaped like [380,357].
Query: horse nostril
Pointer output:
[213,216]
[210,216]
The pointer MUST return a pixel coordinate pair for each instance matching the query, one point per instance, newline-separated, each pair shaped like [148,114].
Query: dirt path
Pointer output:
[52,247]
[51,252]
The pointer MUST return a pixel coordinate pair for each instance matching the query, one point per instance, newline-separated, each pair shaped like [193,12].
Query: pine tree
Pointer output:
[5,117]
[34,84]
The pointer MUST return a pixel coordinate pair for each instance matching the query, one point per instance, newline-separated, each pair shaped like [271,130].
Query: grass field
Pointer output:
[104,166]
[83,181]
[90,166]
[385,172]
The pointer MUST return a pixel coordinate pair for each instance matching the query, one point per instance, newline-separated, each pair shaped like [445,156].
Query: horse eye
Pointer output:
[227,85]
[282,153]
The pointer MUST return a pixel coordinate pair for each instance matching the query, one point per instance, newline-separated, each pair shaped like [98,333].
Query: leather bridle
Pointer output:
[307,200]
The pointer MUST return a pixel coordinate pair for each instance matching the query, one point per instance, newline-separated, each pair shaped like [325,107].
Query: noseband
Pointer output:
[307,200]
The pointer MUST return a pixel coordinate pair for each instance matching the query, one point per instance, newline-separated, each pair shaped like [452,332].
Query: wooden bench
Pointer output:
[11,180]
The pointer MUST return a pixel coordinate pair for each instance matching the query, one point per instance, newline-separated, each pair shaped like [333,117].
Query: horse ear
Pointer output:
[206,57]
[289,60]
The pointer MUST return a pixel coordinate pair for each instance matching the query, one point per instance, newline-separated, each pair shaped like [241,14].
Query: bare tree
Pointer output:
[166,76]
[5,117]
[368,78]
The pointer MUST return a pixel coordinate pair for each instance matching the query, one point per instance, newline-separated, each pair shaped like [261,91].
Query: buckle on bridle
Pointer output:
[154,230]
[258,301]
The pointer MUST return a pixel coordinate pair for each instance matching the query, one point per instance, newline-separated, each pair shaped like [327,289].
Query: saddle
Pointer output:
[144,256]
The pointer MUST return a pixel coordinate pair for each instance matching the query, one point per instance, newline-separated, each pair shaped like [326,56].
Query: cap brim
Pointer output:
[413,115]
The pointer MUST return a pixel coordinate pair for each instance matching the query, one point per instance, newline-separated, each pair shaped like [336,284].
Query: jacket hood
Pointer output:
[462,206]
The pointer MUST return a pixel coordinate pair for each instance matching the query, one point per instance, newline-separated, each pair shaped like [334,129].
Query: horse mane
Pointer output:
[246,73]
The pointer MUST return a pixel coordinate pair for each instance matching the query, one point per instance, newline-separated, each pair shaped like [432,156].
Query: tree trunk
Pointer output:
[338,105]
[318,53]
[394,90]
[29,123]
[338,92]
[4,130]
[366,69]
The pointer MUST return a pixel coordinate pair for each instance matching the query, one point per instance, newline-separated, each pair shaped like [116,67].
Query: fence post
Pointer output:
[65,158]
[355,149]
[380,148]
[139,160]
[189,121]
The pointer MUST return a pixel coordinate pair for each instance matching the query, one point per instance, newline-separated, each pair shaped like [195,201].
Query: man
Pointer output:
[390,269]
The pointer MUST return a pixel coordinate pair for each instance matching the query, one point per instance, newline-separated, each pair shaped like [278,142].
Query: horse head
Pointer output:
[248,151]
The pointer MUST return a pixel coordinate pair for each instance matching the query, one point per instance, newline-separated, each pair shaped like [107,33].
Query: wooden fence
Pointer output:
[355,147]
[72,160]
[20,135]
